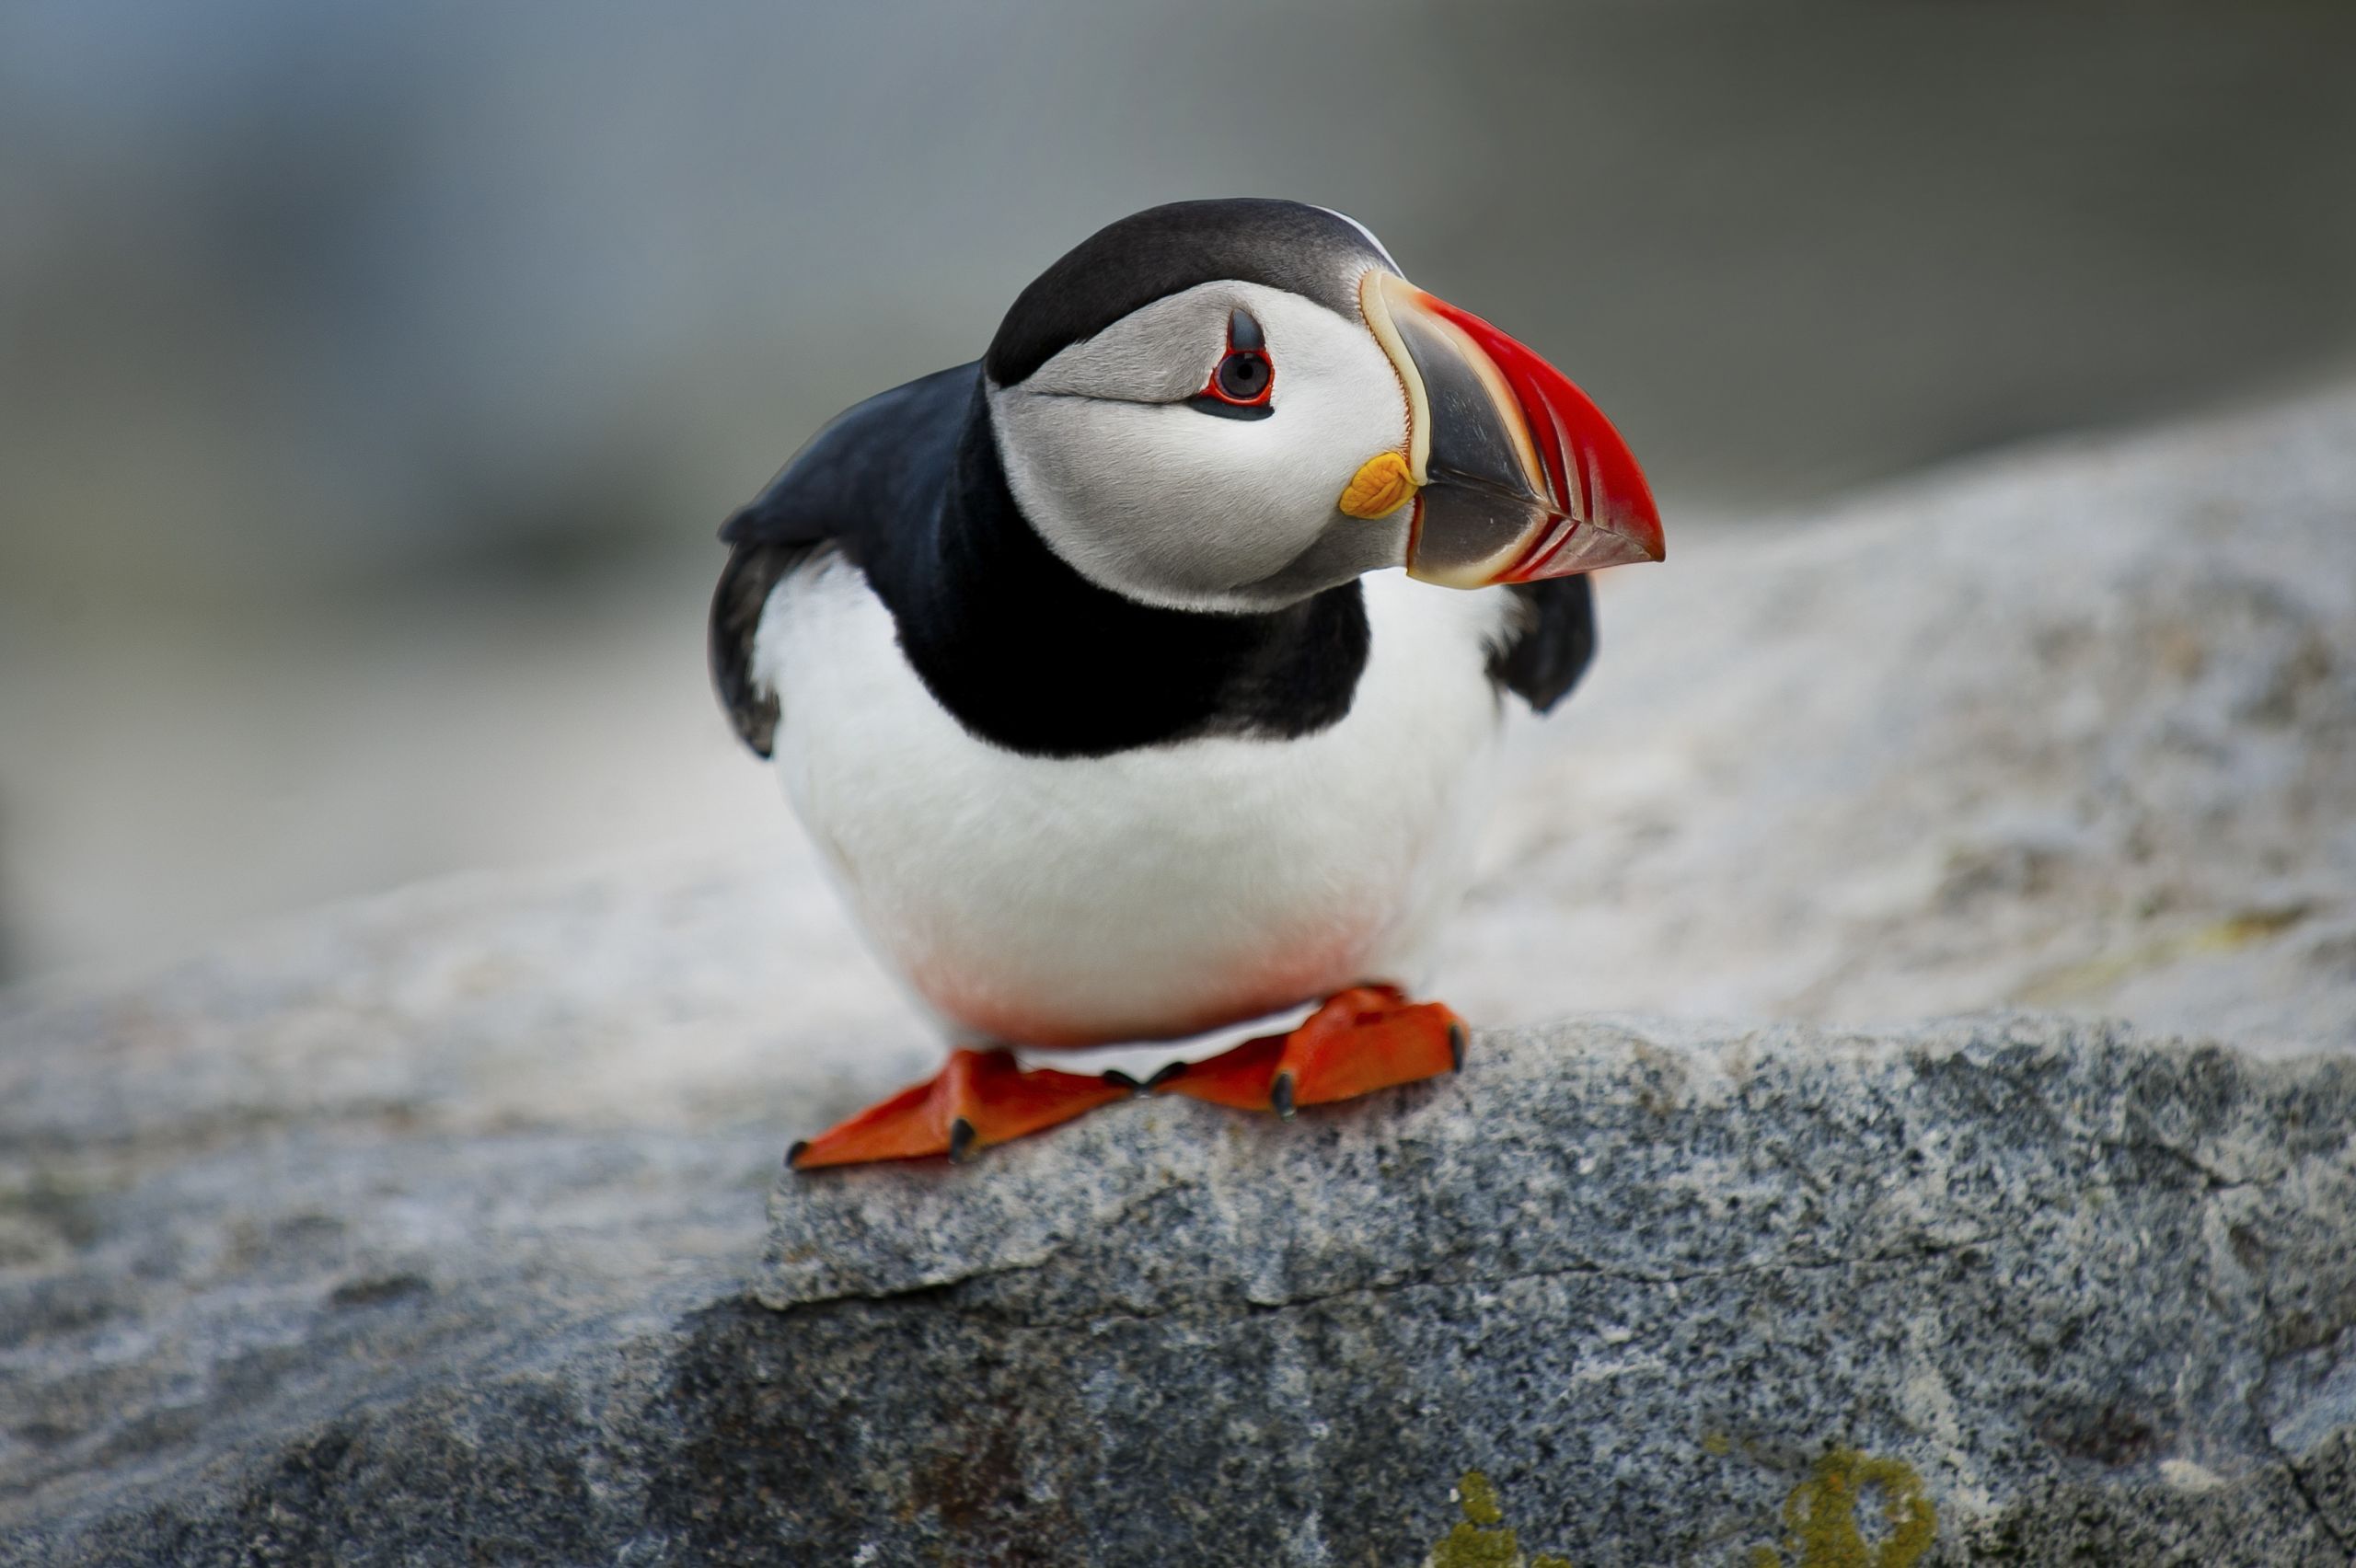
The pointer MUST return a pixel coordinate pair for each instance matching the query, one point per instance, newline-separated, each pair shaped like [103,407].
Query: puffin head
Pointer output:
[1233,405]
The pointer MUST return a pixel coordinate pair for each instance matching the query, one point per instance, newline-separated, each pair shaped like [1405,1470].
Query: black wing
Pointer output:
[1548,640]
[870,470]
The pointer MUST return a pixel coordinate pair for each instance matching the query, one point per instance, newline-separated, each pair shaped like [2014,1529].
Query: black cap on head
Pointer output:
[1163,250]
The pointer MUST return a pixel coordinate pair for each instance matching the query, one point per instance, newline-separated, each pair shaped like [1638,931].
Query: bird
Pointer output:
[1144,678]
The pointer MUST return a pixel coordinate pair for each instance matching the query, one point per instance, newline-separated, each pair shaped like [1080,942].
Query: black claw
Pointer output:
[1280,1095]
[1164,1073]
[1455,1047]
[795,1152]
[961,1139]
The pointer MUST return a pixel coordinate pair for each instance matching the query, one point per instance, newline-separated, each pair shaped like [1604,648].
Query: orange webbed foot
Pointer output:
[979,1098]
[1363,1038]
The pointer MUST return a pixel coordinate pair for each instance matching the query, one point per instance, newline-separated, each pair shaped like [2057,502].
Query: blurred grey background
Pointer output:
[372,376]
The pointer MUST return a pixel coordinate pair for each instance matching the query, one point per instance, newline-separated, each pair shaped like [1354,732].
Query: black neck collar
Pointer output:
[1030,655]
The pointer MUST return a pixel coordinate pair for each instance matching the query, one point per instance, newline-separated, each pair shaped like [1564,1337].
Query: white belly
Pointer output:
[1151,895]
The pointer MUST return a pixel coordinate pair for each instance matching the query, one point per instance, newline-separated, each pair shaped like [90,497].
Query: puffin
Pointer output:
[1145,678]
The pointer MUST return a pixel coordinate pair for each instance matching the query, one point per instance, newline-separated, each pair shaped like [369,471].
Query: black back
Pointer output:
[1549,643]
[876,468]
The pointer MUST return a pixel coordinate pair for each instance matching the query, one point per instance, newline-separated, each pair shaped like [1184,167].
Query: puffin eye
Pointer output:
[1244,379]
[1242,376]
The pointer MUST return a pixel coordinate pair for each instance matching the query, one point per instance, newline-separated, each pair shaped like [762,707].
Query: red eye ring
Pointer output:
[1246,377]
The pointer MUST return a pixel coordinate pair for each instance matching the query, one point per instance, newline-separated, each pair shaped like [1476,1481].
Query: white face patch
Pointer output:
[1167,504]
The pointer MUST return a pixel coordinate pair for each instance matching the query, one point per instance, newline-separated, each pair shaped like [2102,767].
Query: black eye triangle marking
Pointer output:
[1242,332]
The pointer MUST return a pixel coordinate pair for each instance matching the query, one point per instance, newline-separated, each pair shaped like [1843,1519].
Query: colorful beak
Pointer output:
[1518,476]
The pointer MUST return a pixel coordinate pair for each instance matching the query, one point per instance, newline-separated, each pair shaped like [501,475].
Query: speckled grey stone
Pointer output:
[2100,1294]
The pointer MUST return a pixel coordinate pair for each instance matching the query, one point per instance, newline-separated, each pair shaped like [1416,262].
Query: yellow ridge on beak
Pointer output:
[1380,487]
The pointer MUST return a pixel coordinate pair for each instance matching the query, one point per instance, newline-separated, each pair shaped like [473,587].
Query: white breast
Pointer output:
[1151,895]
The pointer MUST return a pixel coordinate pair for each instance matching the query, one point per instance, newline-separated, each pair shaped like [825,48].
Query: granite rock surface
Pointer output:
[2070,730]
[2097,1295]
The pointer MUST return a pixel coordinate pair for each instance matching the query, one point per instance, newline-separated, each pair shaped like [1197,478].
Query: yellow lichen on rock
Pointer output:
[1821,1527]
[1482,1540]
[1479,1499]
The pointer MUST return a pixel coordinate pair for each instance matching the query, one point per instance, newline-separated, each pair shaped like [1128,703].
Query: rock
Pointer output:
[429,1229]
[2088,1294]
[464,1149]
[2095,1294]
[2073,729]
